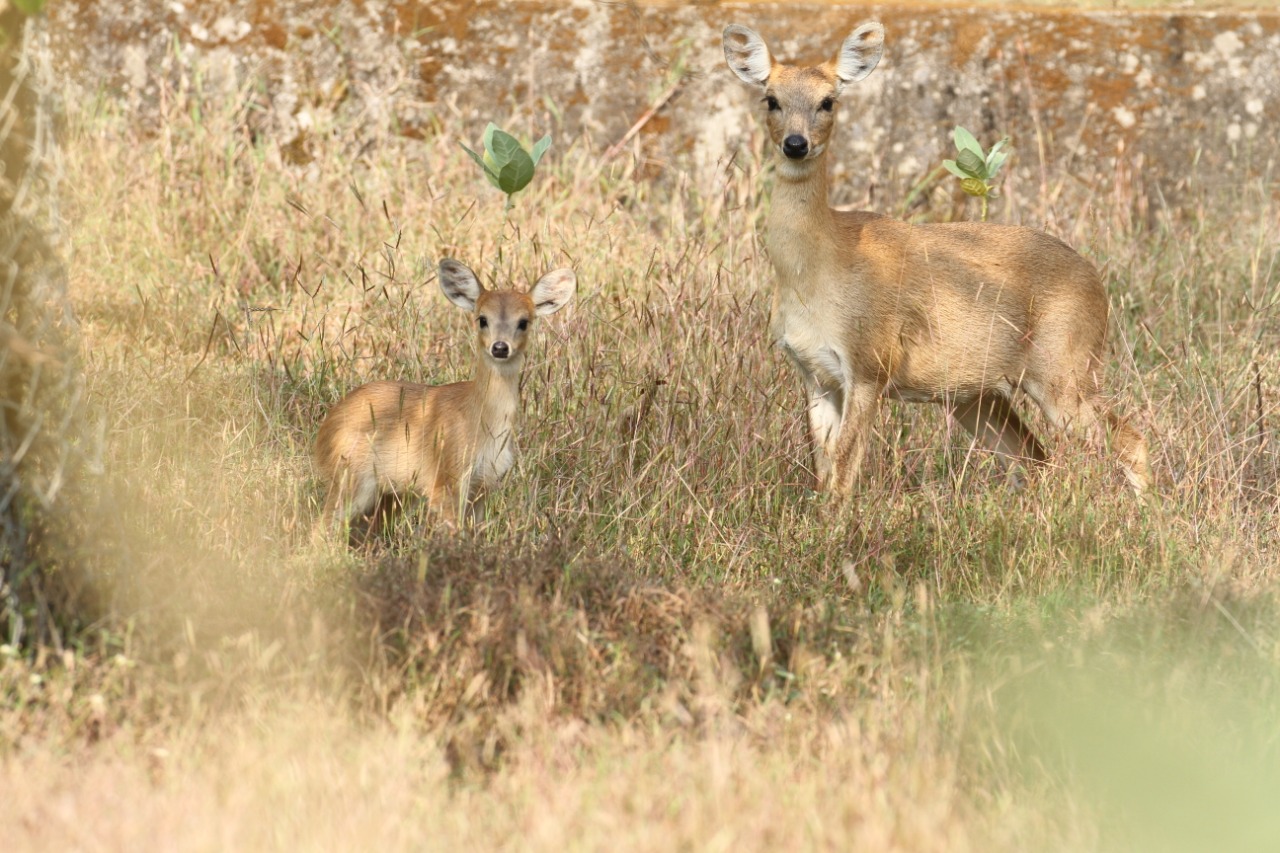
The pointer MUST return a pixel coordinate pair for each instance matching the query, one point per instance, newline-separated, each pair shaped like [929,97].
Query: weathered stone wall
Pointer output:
[1164,90]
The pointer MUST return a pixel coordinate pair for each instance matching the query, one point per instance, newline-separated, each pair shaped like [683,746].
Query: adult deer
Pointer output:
[962,314]
[449,442]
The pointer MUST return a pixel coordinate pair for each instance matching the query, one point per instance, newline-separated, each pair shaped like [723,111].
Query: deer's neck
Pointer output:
[497,391]
[800,227]
[498,402]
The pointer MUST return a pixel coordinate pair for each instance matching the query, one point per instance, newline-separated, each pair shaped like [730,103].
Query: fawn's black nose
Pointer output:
[500,349]
[795,146]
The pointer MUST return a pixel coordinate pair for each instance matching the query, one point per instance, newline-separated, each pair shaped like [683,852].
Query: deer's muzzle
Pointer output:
[795,146]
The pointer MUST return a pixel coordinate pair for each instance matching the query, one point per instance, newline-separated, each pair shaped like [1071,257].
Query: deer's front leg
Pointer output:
[824,429]
[851,444]
[444,504]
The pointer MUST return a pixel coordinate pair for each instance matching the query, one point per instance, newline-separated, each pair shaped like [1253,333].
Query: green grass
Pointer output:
[659,635]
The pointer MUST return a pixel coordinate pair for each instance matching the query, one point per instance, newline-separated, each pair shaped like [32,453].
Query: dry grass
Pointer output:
[659,637]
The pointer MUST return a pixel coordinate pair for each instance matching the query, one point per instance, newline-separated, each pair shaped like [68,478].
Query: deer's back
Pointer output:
[955,306]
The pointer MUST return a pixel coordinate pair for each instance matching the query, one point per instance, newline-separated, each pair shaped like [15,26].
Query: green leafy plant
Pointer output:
[975,168]
[505,162]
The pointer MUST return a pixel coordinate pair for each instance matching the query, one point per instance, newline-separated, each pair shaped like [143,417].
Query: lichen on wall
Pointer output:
[1161,89]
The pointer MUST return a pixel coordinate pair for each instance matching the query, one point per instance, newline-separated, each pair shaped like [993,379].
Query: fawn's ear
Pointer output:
[553,291]
[860,52]
[460,284]
[747,55]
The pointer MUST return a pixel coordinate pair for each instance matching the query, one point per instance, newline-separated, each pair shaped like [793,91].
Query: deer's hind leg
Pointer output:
[1076,411]
[1130,449]
[351,496]
[995,426]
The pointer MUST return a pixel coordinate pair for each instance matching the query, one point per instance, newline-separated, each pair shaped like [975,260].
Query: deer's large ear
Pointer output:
[860,52]
[460,284]
[553,291]
[747,55]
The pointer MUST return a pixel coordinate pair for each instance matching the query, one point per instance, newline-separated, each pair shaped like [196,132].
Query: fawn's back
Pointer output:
[395,436]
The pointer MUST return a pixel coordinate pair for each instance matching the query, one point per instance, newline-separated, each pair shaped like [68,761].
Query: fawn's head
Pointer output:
[503,317]
[800,100]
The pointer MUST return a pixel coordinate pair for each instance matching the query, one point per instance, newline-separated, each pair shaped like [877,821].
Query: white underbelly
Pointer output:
[945,392]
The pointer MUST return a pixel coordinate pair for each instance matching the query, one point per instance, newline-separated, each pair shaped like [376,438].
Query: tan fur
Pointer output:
[451,443]
[961,314]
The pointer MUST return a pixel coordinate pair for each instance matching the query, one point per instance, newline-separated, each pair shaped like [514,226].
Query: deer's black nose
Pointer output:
[795,146]
[500,349]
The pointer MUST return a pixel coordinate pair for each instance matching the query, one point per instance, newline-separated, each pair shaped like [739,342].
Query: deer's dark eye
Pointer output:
[772,102]
[522,325]
[484,322]
[827,105]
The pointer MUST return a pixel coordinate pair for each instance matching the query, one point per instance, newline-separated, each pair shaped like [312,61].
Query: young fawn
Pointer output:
[962,314]
[449,442]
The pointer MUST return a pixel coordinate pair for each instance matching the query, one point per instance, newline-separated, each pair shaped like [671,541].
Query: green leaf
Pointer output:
[972,164]
[474,156]
[516,173]
[950,166]
[488,137]
[965,141]
[488,173]
[504,148]
[996,157]
[540,148]
[506,163]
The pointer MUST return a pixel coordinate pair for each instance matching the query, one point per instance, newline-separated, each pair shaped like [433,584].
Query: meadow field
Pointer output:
[659,636]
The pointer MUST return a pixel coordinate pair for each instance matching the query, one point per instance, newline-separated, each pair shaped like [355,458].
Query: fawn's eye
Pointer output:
[522,325]
[484,322]
[772,102]
[827,105]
